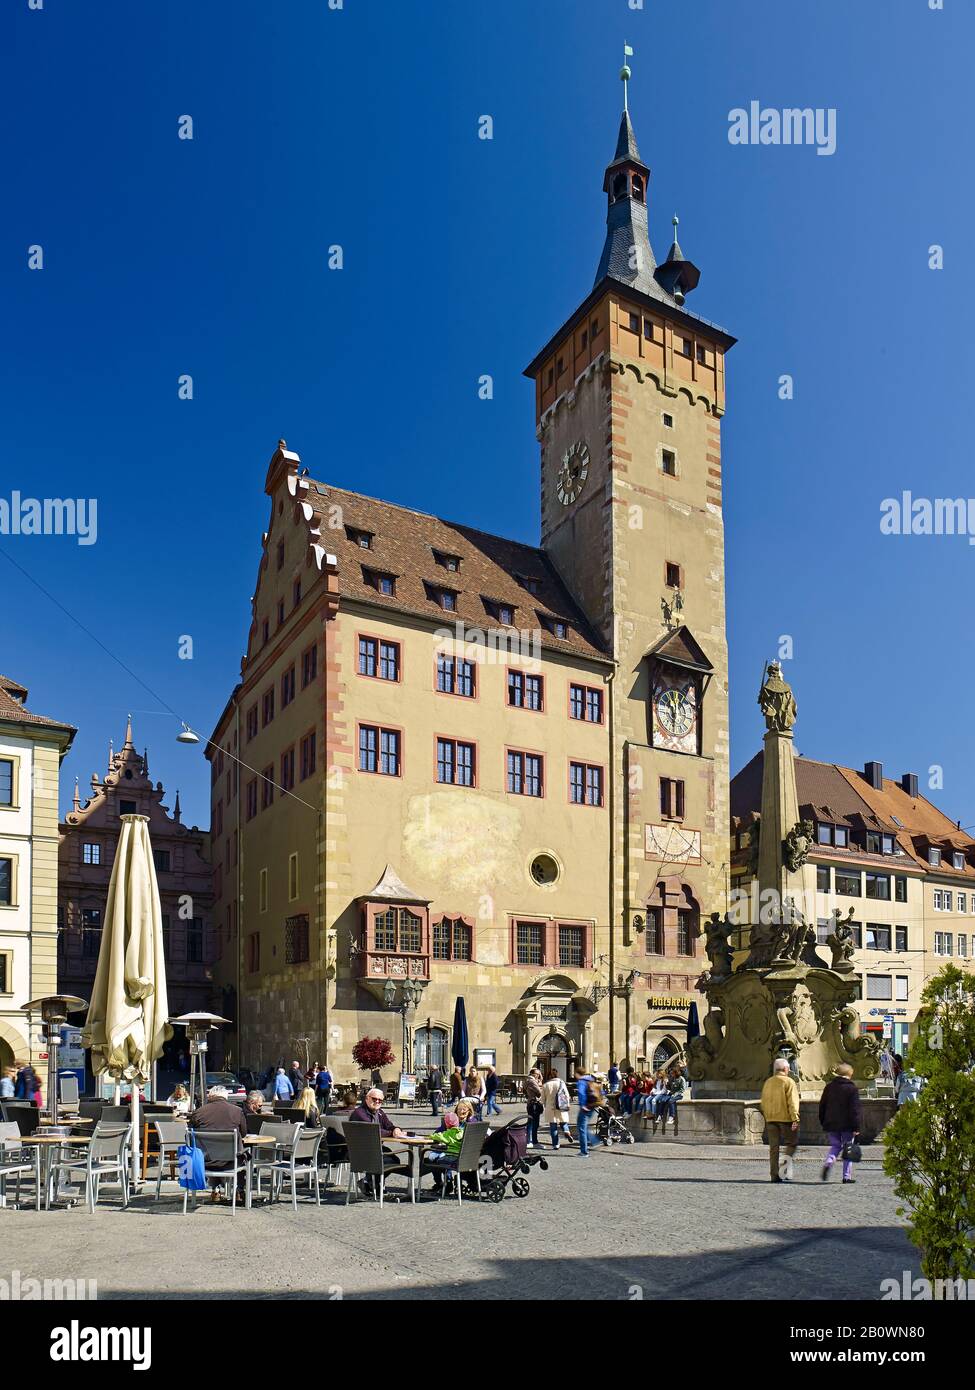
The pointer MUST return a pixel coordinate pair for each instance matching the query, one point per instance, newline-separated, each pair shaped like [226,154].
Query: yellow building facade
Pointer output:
[461,766]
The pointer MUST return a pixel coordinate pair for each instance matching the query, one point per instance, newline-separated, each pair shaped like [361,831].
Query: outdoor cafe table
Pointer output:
[255,1141]
[46,1144]
[416,1144]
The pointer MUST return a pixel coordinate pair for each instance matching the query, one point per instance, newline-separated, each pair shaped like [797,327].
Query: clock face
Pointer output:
[675,715]
[573,473]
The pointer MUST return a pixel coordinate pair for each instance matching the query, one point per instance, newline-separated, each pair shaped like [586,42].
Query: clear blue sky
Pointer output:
[359,127]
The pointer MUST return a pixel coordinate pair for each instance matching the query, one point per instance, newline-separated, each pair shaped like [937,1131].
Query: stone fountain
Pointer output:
[783,999]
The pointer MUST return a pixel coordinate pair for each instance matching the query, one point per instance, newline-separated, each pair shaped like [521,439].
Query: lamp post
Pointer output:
[412,993]
[54,1010]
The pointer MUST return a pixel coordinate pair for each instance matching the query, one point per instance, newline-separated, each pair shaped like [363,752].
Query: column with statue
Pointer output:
[783,999]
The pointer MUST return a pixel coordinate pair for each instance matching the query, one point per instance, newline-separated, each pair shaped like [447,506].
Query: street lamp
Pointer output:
[412,993]
[54,1010]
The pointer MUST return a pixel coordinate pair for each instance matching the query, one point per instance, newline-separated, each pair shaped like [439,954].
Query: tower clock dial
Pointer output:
[675,714]
[573,472]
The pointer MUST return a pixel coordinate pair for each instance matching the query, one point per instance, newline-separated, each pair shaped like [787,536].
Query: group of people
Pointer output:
[21,1082]
[840,1115]
[292,1084]
[645,1094]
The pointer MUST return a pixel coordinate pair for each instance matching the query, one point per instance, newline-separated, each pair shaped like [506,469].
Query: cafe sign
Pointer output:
[668,1001]
[553,1013]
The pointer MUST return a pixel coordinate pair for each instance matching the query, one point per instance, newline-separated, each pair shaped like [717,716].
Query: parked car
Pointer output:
[224,1078]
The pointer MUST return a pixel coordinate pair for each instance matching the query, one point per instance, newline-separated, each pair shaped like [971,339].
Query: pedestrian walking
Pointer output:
[780,1106]
[908,1086]
[533,1102]
[474,1089]
[323,1089]
[613,1079]
[555,1108]
[8,1083]
[456,1086]
[283,1089]
[840,1115]
[435,1088]
[28,1085]
[297,1078]
[491,1081]
[589,1096]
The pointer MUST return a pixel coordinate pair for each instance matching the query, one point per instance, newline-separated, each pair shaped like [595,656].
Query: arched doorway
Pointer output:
[429,1049]
[553,1052]
[665,1052]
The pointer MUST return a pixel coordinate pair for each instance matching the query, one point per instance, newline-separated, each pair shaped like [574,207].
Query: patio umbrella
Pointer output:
[693,1022]
[461,1043]
[127,1017]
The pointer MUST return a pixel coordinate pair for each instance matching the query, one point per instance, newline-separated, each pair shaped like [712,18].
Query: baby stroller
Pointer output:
[611,1128]
[506,1159]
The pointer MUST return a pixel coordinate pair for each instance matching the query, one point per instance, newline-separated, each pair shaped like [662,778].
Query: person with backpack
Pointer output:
[840,1115]
[28,1085]
[589,1095]
[533,1103]
[555,1107]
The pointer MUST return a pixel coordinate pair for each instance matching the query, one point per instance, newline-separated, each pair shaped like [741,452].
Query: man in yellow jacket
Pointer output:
[780,1106]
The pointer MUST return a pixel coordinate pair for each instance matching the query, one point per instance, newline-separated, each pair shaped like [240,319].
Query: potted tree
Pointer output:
[372,1054]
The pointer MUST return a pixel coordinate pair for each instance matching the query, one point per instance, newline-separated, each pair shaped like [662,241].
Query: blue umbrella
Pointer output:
[693,1022]
[461,1042]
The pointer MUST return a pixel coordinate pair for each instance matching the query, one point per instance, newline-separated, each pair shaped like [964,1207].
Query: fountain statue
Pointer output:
[783,999]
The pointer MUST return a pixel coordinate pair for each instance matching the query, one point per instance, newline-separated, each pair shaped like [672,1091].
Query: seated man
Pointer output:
[371,1112]
[220,1115]
[254,1104]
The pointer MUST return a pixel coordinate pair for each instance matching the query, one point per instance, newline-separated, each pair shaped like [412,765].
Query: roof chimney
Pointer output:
[874,773]
[909,783]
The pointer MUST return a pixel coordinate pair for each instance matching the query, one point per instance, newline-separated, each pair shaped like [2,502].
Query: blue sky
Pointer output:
[359,127]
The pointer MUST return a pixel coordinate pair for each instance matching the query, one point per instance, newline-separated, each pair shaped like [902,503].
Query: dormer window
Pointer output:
[503,613]
[958,860]
[383,583]
[363,539]
[934,857]
[555,626]
[447,562]
[446,598]
[528,582]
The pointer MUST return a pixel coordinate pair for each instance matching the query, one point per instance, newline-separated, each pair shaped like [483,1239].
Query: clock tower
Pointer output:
[629,395]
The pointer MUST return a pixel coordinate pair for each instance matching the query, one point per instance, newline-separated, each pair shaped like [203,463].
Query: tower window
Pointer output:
[669,462]
[648,330]
[619,187]
[702,354]
[668,422]
[637,188]
[673,575]
[560,366]
[634,323]
[594,328]
[550,379]
[585,338]
[672,798]
[686,347]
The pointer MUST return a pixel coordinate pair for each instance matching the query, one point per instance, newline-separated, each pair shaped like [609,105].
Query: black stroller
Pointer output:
[506,1160]
[612,1128]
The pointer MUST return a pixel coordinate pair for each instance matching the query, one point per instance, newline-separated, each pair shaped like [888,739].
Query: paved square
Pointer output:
[656,1220]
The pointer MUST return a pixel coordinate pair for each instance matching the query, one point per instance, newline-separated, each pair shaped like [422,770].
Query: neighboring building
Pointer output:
[496,769]
[89,835]
[876,844]
[31,750]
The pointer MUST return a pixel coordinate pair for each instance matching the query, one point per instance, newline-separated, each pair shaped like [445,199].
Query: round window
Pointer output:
[544,869]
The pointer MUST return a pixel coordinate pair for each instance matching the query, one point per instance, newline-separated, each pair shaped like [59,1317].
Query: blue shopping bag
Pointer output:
[190,1166]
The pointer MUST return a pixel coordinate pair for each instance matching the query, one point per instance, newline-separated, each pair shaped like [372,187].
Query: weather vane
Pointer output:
[625,74]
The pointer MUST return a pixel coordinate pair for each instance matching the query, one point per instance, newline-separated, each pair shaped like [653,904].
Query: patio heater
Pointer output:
[197,1026]
[54,1010]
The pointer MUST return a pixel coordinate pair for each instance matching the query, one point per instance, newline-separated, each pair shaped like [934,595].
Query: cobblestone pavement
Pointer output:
[653,1221]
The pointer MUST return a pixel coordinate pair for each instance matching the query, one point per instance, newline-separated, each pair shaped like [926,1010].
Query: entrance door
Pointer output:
[553,1052]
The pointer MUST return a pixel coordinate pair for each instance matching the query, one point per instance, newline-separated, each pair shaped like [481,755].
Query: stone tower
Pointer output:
[630,392]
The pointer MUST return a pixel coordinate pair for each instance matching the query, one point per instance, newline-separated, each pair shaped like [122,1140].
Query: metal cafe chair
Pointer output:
[68,1094]
[14,1160]
[105,1157]
[468,1160]
[170,1133]
[224,1148]
[366,1158]
[263,1159]
[303,1162]
[334,1149]
[23,1113]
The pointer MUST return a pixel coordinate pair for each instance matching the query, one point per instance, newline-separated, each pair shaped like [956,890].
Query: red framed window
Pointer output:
[309,665]
[250,722]
[379,659]
[267,786]
[526,773]
[308,754]
[267,707]
[287,687]
[455,676]
[380,750]
[525,691]
[456,762]
[250,799]
[585,784]
[288,769]
[452,939]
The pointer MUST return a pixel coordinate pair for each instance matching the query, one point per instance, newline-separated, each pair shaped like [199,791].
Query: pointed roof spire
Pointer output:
[678,275]
[145,762]
[128,733]
[176,810]
[77,797]
[675,254]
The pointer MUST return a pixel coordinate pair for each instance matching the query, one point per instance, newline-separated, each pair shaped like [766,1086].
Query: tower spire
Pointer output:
[625,75]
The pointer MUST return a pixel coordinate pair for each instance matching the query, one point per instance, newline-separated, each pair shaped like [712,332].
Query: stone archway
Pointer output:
[14,1047]
[554,1053]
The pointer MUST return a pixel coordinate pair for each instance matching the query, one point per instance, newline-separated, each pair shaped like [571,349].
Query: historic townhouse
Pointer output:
[32,749]
[89,835]
[458,765]
[882,849]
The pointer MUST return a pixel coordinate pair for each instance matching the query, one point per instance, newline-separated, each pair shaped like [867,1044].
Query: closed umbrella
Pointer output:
[461,1043]
[127,1017]
[693,1022]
